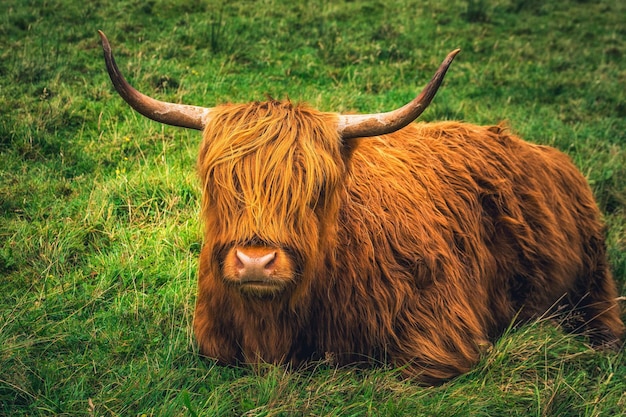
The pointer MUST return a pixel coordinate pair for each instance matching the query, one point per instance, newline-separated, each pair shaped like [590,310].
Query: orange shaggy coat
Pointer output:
[416,248]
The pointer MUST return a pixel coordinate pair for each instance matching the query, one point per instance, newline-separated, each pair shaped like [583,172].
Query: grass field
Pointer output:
[99,223]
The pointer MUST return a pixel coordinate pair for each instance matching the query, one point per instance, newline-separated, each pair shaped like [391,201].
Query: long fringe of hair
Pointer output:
[265,168]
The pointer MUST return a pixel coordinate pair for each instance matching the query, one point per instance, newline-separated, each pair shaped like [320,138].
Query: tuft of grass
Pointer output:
[99,225]
[476,11]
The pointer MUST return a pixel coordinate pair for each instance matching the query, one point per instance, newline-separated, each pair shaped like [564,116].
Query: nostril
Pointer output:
[240,259]
[266,261]
[270,263]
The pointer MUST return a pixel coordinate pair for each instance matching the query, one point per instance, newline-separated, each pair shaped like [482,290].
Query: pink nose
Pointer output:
[254,266]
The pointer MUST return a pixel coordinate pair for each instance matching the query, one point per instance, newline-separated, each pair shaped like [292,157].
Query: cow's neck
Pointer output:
[270,330]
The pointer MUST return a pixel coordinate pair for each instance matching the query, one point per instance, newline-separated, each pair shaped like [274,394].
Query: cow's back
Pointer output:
[495,207]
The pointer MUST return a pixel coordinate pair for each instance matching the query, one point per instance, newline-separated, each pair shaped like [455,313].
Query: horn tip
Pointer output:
[454,53]
[105,41]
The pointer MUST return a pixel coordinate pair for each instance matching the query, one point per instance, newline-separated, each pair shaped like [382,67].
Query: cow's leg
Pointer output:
[601,312]
[213,341]
[436,353]
[438,366]
[213,330]
[596,309]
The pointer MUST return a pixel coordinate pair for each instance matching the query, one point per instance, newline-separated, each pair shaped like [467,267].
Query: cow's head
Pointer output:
[271,176]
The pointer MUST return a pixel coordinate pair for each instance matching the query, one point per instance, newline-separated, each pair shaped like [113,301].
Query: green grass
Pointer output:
[99,223]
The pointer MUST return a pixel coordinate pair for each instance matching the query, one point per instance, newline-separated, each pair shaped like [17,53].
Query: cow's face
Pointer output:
[271,174]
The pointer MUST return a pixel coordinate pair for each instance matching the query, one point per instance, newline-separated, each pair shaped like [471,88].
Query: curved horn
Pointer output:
[193,117]
[364,125]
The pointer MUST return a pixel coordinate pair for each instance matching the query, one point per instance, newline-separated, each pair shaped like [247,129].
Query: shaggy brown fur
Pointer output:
[416,248]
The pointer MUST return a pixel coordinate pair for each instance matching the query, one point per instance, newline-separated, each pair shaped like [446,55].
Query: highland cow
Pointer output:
[375,239]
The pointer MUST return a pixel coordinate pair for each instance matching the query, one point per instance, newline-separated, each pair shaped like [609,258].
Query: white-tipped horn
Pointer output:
[183,115]
[365,125]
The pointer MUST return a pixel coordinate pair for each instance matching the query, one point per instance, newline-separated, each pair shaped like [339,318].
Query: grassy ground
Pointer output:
[99,229]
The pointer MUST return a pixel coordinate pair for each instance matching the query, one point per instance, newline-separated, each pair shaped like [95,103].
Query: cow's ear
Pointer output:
[347,149]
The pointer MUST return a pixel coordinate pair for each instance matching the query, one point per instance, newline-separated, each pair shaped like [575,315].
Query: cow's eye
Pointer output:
[319,201]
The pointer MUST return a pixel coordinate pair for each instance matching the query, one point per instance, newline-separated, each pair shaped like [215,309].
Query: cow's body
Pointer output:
[445,232]
[371,239]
